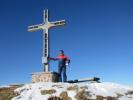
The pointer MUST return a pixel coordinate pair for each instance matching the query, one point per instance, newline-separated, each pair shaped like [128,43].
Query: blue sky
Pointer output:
[98,37]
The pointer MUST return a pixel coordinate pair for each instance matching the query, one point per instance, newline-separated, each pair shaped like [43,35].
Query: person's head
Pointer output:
[61,52]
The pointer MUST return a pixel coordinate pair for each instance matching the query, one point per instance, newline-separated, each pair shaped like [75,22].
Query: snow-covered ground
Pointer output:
[33,91]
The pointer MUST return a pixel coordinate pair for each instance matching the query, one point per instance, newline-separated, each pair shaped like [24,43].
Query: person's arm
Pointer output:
[53,58]
[68,59]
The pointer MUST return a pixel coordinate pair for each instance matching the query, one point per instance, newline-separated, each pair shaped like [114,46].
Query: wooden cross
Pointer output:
[45,26]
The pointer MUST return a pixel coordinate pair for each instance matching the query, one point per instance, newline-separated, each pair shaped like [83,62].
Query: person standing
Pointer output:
[63,61]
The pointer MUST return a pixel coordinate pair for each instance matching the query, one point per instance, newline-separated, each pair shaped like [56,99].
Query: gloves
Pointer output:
[67,62]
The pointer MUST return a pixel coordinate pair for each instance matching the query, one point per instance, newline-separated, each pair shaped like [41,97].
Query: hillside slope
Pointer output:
[77,91]
[7,92]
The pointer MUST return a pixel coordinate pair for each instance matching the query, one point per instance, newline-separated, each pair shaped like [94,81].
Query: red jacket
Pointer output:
[60,57]
[62,60]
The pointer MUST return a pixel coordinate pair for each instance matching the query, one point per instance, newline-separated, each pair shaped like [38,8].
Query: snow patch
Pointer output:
[33,91]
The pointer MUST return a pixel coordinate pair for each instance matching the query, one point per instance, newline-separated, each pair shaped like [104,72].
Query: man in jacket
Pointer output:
[63,61]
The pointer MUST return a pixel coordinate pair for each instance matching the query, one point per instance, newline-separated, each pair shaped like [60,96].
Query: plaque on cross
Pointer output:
[45,26]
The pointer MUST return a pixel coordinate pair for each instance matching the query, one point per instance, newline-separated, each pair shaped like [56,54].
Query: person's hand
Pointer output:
[49,58]
[67,64]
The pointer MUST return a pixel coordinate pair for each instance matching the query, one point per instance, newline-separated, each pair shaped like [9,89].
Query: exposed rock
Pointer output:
[64,96]
[111,98]
[71,88]
[51,91]
[119,95]
[81,95]
[54,98]
[83,87]
[130,92]
[99,97]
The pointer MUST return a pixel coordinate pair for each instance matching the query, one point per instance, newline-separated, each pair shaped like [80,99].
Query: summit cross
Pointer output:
[45,26]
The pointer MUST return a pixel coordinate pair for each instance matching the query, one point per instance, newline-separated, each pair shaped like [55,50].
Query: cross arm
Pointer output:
[35,27]
[57,23]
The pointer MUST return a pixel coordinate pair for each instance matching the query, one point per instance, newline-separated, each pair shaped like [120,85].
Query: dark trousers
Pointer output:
[62,70]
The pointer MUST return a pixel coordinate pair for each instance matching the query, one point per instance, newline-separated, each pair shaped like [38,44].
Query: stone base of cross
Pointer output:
[45,77]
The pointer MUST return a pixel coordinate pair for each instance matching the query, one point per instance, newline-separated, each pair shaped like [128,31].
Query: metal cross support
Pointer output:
[45,26]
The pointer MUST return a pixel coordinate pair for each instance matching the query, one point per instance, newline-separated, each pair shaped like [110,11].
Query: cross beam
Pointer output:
[45,26]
